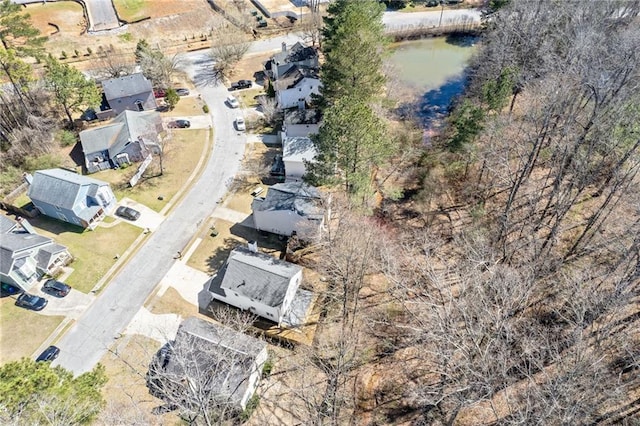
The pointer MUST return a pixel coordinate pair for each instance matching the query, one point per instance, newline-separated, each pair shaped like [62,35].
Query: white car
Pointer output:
[232,101]
[240,123]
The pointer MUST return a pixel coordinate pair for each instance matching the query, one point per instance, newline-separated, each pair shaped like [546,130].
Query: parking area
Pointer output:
[196,121]
[148,219]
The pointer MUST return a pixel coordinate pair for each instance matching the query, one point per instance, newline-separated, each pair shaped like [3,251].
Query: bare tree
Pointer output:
[311,24]
[228,45]
[112,63]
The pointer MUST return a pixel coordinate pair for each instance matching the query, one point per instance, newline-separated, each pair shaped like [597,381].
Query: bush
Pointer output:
[46,161]
[67,138]
[63,55]
[252,404]
[205,108]
[267,367]
[171,98]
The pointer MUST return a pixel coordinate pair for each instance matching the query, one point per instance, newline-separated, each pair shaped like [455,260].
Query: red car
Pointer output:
[159,93]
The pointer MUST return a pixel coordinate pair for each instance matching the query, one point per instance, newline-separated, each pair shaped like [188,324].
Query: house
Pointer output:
[283,61]
[288,208]
[127,138]
[70,197]
[26,256]
[300,122]
[296,152]
[215,361]
[130,92]
[296,86]
[258,283]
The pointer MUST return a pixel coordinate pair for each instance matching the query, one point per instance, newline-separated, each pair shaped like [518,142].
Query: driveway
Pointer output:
[197,121]
[89,339]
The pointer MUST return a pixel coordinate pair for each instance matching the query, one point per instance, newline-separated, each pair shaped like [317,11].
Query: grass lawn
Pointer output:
[126,392]
[67,15]
[181,154]
[186,106]
[21,330]
[130,10]
[94,251]
[172,302]
[247,97]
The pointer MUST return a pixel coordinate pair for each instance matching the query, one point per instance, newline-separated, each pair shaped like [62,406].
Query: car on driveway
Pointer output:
[183,124]
[127,213]
[31,301]
[241,84]
[9,290]
[56,288]
[232,101]
[181,91]
[240,126]
[48,354]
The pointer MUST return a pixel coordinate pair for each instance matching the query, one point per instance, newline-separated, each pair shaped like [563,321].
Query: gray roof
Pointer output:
[295,196]
[293,76]
[129,85]
[6,224]
[62,188]
[128,126]
[296,53]
[43,258]
[302,116]
[10,244]
[224,354]
[298,149]
[258,276]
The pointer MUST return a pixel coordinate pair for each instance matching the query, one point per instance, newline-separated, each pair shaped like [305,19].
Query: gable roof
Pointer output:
[293,196]
[296,53]
[64,189]
[226,355]
[128,85]
[258,276]
[302,116]
[11,244]
[293,76]
[127,127]
[6,224]
[298,149]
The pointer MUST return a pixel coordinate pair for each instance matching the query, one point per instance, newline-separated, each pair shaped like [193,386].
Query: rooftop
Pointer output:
[298,149]
[128,85]
[295,196]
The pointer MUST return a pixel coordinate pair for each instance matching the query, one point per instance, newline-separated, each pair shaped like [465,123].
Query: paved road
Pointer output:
[102,15]
[95,331]
[395,21]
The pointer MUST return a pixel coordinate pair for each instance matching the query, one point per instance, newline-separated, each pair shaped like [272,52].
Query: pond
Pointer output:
[433,69]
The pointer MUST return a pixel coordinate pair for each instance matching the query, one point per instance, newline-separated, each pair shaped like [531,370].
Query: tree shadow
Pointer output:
[461,40]
[435,104]
[207,73]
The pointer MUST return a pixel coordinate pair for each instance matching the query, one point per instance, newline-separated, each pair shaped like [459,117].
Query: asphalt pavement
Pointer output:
[82,347]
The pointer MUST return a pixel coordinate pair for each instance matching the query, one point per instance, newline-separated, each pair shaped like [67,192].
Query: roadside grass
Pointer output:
[131,10]
[94,251]
[67,15]
[126,393]
[172,302]
[185,106]
[247,97]
[22,331]
[181,154]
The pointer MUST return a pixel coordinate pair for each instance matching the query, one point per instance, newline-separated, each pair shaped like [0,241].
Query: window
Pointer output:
[139,105]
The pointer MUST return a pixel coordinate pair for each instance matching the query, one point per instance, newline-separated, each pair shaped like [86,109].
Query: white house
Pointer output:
[296,86]
[290,207]
[295,151]
[258,283]
[233,362]
[300,122]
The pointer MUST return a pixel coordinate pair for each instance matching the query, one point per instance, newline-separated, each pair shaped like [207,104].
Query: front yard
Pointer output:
[22,331]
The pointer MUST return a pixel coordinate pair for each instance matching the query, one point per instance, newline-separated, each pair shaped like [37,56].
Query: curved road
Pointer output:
[82,347]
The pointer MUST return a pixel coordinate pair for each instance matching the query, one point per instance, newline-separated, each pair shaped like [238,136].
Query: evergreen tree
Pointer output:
[70,88]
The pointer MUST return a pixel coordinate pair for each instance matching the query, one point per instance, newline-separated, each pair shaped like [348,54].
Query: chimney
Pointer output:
[27,178]
[301,104]
[253,246]
[284,46]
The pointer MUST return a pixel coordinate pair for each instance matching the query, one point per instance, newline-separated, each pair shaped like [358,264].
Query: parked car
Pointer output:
[183,124]
[241,84]
[56,288]
[232,101]
[31,301]
[127,213]
[48,354]
[181,91]
[240,126]
[159,93]
[9,290]
[262,24]
[277,168]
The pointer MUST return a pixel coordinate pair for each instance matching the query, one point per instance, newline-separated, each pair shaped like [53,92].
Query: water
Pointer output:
[433,69]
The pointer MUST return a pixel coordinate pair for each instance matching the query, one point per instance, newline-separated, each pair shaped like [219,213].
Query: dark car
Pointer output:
[56,288]
[9,290]
[182,91]
[128,213]
[277,168]
[30,301]
[241,84]
[262,24]
[49,354]
[183,124]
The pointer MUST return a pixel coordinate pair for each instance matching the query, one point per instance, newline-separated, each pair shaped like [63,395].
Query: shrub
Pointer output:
[252,404]
[67,138]
[205,108]
[89,51]
[63,55]
[267,367]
